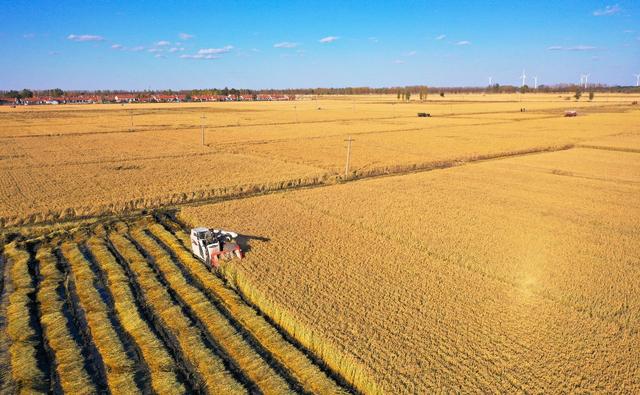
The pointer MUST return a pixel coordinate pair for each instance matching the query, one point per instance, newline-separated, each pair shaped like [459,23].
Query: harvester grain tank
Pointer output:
[212,245]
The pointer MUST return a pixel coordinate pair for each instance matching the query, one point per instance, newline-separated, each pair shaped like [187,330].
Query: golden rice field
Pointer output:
[65,162]
[513,275]
[480,250]
[122,307]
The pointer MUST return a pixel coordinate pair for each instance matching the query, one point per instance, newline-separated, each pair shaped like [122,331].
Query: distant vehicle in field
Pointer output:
[211,245]
[571,113]
[424,115]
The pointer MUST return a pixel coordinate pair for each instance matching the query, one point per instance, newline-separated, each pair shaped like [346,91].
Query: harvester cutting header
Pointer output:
[211,245]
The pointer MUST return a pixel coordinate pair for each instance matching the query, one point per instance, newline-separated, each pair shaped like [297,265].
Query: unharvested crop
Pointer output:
[498,254]
[313,380]
[509,275]
[105,168]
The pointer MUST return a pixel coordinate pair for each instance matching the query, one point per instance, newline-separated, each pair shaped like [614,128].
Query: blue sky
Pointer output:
[247,44]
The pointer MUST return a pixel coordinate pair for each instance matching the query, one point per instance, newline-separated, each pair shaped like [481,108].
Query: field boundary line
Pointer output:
[606,148]
[246,192]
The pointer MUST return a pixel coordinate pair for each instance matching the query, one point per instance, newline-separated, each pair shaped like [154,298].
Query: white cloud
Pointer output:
[207,53]
[398,61]
[214,51]
[29,35]
[137,49]
[160,56]
[328,39]
[175,49]
[410,53]
[54,53]
[255,50]
[84,37]
[163,43]
[373,39]
[199,56]
[117,46]
[285,44]
[463,42]
[629,31]
[574,48]
[154,50]
[185,36]
[608,10]
[441,37]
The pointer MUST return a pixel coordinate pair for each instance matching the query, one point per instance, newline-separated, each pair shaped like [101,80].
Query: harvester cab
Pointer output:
[212,245]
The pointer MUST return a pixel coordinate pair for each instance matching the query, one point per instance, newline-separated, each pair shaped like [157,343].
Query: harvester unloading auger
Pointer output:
[211,245]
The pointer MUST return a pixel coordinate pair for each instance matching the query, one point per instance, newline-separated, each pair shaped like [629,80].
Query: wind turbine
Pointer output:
[637,79]
[490,80]
[524,78]
[586,80]
[535,82]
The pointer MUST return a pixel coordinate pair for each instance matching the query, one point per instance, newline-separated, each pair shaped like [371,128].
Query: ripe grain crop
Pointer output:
[249,362]
[119,367]
[104,168]
[515,273]
[162,368]
[210,372]
[309,376]
[26,374]
[69,362]
[503,276]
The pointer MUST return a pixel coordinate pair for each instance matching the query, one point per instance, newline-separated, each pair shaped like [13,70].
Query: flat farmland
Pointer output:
[111,159]
[511,275]
[116,308]
[483,249]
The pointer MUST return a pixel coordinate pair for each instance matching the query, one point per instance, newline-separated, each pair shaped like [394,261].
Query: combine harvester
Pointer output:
[211,245]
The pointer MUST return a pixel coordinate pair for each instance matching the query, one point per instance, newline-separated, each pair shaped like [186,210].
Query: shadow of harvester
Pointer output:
[244,240]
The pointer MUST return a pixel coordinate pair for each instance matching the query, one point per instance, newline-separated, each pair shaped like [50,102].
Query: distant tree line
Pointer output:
[402,92]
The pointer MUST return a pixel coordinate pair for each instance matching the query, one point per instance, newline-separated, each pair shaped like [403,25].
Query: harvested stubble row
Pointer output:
[120,369]
[25,372]
[67,356]
[309,375]
[248,360]
[162,368]
[209,369]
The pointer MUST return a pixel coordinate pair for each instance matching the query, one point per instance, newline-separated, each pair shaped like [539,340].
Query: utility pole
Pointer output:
[202,118]
[131,119]
[346,169]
